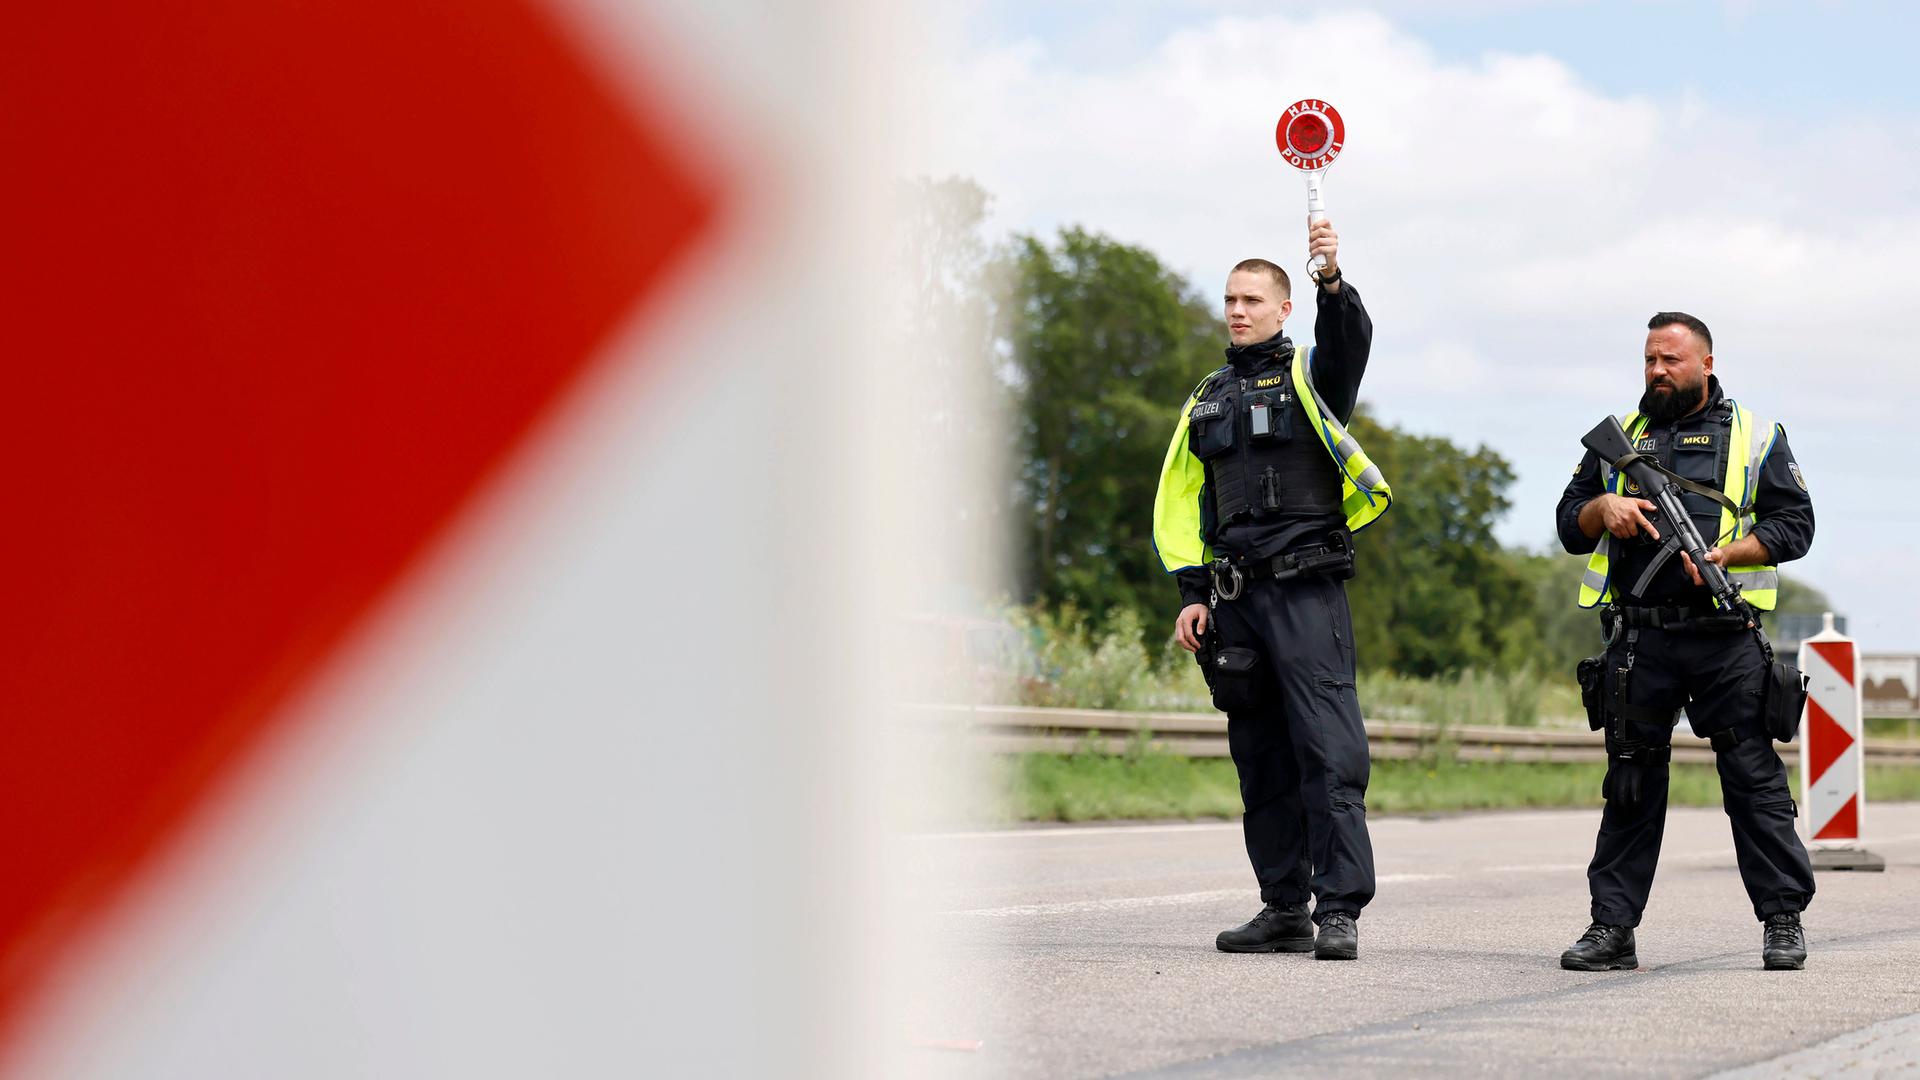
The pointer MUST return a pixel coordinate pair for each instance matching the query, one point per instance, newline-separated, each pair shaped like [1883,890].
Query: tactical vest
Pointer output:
[1301,435]
[1732,457]
[1255,438]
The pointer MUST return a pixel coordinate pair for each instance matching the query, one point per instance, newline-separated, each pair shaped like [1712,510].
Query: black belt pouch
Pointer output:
[1591,674]
[1235,675]
[1786,700]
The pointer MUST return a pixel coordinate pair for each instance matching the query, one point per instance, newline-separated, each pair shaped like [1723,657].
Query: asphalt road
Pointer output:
[1089,952]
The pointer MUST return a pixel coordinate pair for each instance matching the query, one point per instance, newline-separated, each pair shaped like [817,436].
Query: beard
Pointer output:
[1666,401]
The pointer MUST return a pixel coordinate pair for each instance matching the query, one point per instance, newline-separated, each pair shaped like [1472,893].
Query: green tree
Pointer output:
[1435,592]
[1799,598]
[1103,343]
[1563,630]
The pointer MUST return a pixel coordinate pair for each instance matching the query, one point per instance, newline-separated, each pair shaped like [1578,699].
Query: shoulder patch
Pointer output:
[1206,410]
[1798,476]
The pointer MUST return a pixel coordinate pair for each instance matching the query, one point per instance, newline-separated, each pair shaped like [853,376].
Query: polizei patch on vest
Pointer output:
[1206,410]
[1644,444]
[1704,439]
[1798,477]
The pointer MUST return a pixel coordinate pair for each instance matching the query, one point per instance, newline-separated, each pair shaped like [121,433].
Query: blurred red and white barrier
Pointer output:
[416,487]
[1832,754]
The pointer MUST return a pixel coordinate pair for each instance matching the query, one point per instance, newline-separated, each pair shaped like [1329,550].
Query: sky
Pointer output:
[1523,184]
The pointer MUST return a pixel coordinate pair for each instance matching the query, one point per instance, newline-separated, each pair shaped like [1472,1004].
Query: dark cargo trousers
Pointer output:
[1719,679]
[1302,756]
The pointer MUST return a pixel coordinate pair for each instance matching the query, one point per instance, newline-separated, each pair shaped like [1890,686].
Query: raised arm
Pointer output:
[1342,329]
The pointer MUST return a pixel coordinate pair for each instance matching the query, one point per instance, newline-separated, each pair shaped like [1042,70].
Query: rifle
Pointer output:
[1609,440]
[1786,687]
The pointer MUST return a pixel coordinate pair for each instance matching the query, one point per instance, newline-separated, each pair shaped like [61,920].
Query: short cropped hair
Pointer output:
[1272,270]
[1681,318]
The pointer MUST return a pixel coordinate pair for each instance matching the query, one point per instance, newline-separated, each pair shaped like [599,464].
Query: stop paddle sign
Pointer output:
[1310,135]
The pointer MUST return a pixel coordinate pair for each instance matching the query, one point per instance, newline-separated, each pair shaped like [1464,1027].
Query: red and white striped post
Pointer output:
[1832,753]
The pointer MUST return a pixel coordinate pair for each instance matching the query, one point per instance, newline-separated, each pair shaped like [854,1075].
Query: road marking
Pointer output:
[1080,830]
[1073,831]
[1128,903]
[1889,1048]
[1124,903]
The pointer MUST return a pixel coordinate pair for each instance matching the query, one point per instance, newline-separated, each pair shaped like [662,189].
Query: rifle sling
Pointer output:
[1682,482]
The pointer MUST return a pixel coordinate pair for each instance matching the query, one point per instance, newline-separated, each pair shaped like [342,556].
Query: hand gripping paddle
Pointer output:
[1310,135]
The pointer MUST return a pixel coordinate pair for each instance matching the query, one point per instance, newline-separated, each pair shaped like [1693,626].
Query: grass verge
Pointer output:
[1061,659]
[1146,783]
[1889,727]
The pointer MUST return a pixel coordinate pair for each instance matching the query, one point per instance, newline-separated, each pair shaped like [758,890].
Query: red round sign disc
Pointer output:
[1310,134]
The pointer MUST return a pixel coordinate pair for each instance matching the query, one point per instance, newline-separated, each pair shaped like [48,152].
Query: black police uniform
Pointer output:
[1301,750]
[1703,661]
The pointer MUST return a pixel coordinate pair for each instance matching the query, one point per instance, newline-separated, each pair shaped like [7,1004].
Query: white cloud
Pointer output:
[1511,228]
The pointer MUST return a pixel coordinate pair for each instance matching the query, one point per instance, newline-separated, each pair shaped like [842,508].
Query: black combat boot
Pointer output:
[1783,945]
[1339,938]
[1603,947]
[1278,928]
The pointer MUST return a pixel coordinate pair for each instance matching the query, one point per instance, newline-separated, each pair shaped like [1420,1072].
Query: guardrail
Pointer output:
[1013,728]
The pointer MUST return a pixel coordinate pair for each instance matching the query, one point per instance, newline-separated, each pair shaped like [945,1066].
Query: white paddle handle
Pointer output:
[1316,212]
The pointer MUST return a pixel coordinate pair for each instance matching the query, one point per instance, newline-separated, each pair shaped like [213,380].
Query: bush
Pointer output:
[1082,667]
[1475,698]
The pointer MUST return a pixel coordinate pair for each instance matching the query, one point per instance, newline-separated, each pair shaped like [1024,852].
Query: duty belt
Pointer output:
[1686,620]
[1331,559]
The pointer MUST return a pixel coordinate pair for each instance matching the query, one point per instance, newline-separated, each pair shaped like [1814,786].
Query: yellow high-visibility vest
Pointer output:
[1364,494]
[1759,585]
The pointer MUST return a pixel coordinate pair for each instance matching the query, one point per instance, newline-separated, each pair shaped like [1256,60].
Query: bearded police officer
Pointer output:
[1259,497]
[1671,647]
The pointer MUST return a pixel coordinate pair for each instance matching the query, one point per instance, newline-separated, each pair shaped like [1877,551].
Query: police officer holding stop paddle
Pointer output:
[1259,497]
[1686,507]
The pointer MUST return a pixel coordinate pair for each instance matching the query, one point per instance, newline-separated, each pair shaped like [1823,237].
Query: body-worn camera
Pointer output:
[1268,416]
